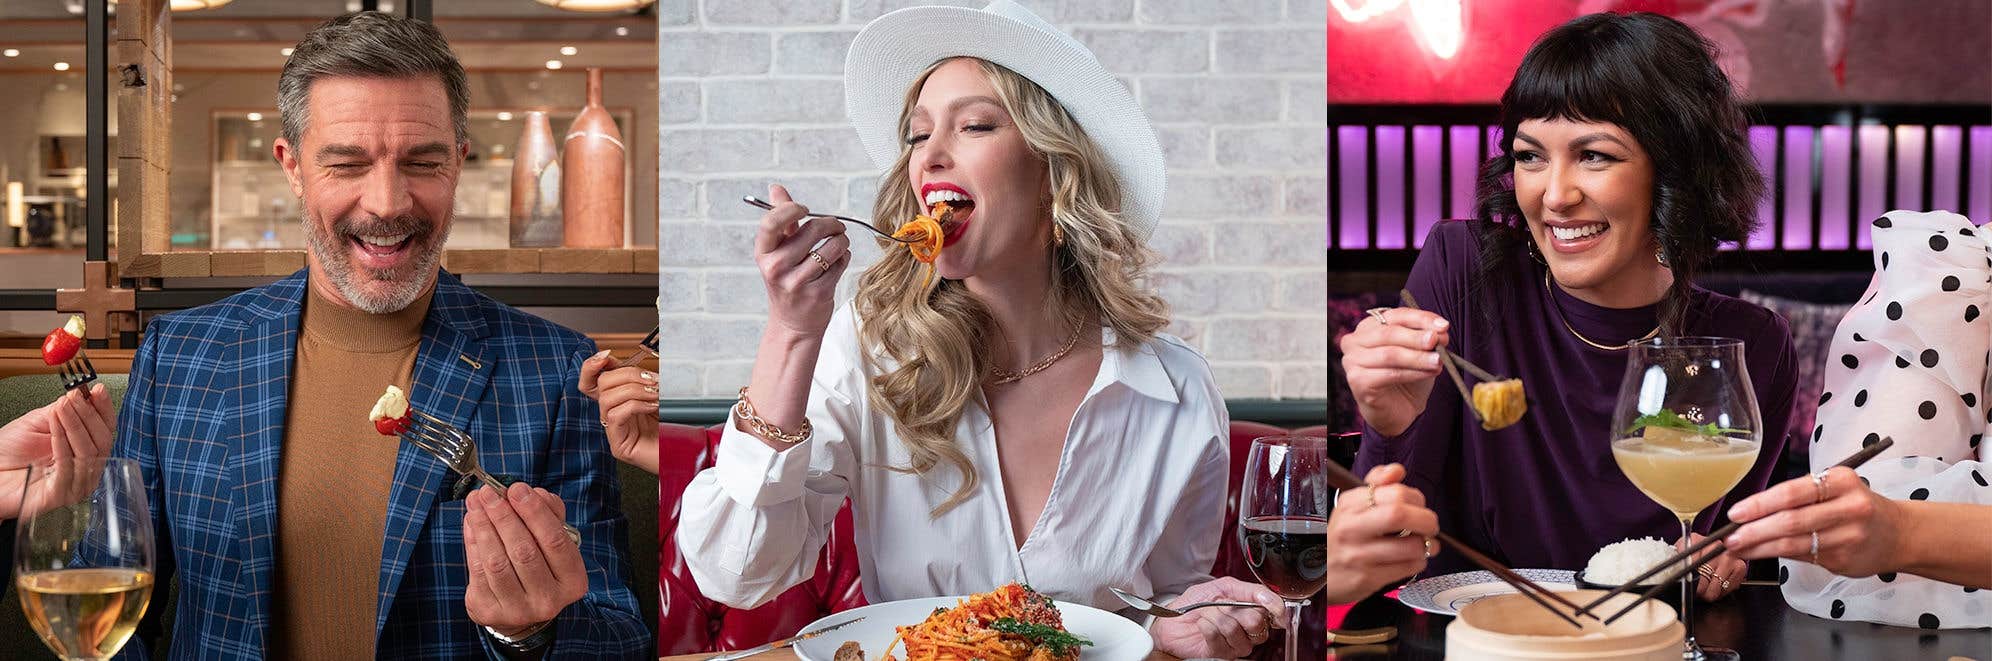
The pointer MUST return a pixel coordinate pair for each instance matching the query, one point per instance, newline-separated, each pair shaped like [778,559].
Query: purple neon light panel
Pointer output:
[1909,146]
[1945,142]
[1355,192]
[1874,168]
[1425,211]
[1390,218]
[1981,174]
[1466,169]
[1836,143]
[1798,188]
[1764,143]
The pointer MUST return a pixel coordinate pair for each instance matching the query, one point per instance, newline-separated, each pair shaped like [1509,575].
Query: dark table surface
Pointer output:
[1754,621]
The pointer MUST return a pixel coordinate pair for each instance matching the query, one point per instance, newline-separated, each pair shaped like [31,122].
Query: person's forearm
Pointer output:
[779,385]
[1949,542]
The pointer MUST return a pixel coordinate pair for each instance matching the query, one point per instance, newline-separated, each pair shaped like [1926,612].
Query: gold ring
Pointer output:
[1369,492]
[821,263]
[1819,487]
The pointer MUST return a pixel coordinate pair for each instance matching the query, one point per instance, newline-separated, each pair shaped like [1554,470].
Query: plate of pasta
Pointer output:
[1010,623]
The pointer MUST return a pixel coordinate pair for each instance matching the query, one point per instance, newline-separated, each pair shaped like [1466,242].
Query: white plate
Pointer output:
[1115,638]
[1447,594]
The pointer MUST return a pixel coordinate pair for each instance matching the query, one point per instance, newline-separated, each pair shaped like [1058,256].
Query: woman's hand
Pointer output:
[801,281]
[1367,549]
[627,399]
[77,424]
[1391,363]
[1858,529]
[1218,631]
[1724,575]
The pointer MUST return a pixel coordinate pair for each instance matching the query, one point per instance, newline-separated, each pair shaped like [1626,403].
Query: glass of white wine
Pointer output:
[83,554]
[1686,431]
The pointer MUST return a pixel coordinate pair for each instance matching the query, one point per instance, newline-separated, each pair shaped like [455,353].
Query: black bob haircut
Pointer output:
[1656,78]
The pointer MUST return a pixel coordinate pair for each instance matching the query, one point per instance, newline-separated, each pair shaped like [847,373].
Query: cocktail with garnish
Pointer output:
[1687,429]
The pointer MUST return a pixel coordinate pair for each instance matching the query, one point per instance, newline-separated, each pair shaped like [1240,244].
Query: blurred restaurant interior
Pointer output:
[225,219]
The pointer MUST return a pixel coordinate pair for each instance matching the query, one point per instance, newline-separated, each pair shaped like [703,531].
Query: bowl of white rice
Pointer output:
[1621,561]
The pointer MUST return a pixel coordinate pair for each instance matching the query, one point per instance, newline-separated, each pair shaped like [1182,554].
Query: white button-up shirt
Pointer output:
[1137,502]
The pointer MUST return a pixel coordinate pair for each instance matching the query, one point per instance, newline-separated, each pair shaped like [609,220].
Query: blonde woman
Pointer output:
[1018,418]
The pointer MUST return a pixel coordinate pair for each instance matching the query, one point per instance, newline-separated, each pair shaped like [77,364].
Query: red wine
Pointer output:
[1288,554]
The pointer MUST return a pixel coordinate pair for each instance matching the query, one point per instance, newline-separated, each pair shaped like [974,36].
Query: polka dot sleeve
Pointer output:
[1910,363]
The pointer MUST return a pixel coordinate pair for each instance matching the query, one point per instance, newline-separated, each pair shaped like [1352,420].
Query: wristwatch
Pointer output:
[534,638]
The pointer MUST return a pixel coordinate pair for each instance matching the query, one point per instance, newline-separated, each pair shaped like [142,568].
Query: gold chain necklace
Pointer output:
[1003,376]
[1558,311]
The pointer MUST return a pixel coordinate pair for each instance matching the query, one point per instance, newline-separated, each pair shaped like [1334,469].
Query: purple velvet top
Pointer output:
[1545,492]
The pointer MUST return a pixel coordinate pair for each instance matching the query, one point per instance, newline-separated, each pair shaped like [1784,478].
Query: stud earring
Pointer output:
[1660,256]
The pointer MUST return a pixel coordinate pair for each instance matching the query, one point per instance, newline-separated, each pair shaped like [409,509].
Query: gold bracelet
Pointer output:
[762,428]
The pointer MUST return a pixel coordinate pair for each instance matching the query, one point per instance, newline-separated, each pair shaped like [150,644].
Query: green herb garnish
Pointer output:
[1059,642]
[1666,419]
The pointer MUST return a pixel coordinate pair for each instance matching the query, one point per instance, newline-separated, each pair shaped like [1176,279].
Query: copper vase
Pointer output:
[591,187]
[535,214]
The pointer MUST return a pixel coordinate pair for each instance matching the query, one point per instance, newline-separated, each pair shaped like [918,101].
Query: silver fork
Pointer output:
[456,449]
[1351,637]
[757,202]
[77,372]
[1149,606]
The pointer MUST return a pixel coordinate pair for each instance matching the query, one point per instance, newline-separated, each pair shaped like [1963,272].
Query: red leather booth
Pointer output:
[691,623]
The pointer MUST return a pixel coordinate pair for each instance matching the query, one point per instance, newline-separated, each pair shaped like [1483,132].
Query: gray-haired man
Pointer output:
[297,530]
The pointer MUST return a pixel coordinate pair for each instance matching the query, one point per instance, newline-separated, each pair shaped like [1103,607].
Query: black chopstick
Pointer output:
[1341,478]
[1716,537]
[1450,361]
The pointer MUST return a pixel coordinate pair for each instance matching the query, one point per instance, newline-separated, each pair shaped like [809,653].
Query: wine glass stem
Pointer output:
[1293,629]
[1693,649]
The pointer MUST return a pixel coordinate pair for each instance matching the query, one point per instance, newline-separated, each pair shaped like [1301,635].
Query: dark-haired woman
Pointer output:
[1624,164]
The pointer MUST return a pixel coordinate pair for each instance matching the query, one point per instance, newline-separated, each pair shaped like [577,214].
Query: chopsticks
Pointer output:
[1713,539]
[1454,362]
[1341,478]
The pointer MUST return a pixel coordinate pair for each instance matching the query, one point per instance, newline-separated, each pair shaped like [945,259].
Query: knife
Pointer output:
[785,642]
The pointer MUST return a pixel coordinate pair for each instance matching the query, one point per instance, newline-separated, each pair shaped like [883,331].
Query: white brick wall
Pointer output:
[752,93]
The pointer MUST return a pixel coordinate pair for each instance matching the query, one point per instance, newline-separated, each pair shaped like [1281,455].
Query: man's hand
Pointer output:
[523,568]
[1219,632]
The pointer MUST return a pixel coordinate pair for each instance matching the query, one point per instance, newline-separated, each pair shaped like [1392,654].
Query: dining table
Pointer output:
[1755,621]
[787,654]
[1313,646]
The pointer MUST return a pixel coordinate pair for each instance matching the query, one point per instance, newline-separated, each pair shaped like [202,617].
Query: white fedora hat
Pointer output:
[891,52]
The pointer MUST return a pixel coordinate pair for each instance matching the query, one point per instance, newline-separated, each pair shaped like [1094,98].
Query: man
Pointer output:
[298,531]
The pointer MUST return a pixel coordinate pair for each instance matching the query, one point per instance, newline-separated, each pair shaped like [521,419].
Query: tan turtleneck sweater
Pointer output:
[337,471]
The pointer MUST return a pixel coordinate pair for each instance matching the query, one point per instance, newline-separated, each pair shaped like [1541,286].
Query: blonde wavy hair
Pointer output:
[940,338]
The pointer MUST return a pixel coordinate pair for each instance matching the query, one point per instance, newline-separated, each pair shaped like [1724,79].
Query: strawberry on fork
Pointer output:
[64,347]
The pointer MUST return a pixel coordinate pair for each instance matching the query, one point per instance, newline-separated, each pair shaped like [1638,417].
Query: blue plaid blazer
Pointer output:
[205,418]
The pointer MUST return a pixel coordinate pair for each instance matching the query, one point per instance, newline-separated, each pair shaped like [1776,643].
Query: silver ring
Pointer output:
[821,263]
[1377,313]
[1370,493]
[1815,547]
[1428,547]
[1819,487]
[1725,584]
[1401,534]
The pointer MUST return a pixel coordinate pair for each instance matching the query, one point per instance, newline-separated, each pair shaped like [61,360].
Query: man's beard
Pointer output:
[404,284]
